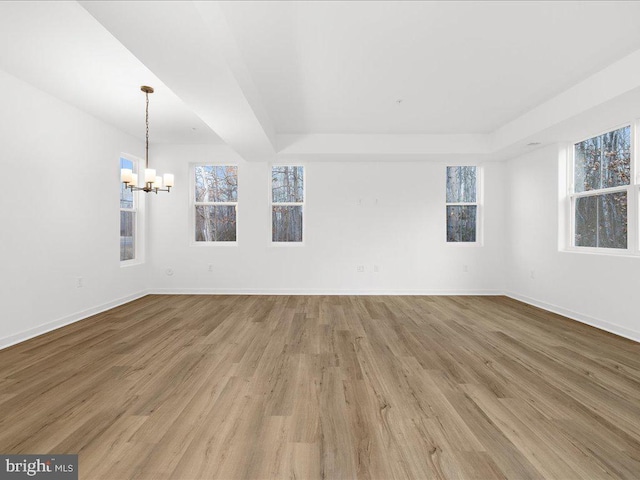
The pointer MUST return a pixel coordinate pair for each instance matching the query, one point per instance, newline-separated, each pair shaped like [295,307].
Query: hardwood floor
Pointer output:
[307,387]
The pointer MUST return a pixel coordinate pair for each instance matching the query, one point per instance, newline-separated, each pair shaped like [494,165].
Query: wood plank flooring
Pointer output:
[333,387]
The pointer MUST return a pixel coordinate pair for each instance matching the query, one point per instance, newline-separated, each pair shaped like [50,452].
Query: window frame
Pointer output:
[632,190]
[137,210]
[478,204]
[193,203]
[290,204]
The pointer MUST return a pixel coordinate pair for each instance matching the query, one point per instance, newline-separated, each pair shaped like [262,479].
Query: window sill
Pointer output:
[606,252]
[465,244]
[286,244]
[213,244]
[131,263]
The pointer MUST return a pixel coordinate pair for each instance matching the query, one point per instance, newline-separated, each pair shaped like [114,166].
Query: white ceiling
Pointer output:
[257,72]
[61,49]
[459,67]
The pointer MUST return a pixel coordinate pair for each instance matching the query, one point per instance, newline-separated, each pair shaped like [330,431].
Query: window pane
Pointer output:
[126,195]
[603,161]
[287,184]
[215,223]
[587,164]
[216,183]
[601,221]
[286,224]
[127,236]
[461,223]
[616,158]
[586,222]
[461,184]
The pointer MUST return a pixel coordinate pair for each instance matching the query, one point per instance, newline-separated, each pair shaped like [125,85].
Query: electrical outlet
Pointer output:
[465,268]
[79,282]
[376,268]
[360,268]
[533,274]
[169,272]
[210,269]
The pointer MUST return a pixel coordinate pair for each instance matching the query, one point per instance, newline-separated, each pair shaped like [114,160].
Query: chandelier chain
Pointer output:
[146,94]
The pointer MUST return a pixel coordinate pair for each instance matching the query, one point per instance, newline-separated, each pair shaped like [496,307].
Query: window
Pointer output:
[462,204]
[287,203]
[600,191]
[128,216]
[215,203]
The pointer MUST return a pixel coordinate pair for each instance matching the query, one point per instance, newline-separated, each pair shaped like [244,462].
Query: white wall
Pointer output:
[59,213]
[404,234]
[62,223]
[598,289]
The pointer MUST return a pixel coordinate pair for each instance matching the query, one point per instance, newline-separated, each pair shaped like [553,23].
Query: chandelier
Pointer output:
[152,183]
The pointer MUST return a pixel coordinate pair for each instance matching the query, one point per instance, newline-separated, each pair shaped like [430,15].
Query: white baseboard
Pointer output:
[307,291]
[47,327]
[61,322]
[580,317]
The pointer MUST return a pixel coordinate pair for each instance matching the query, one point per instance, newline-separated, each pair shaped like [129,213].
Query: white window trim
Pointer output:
[139,210]
[478,203]
[288,204]
[633,196]
[192,207]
